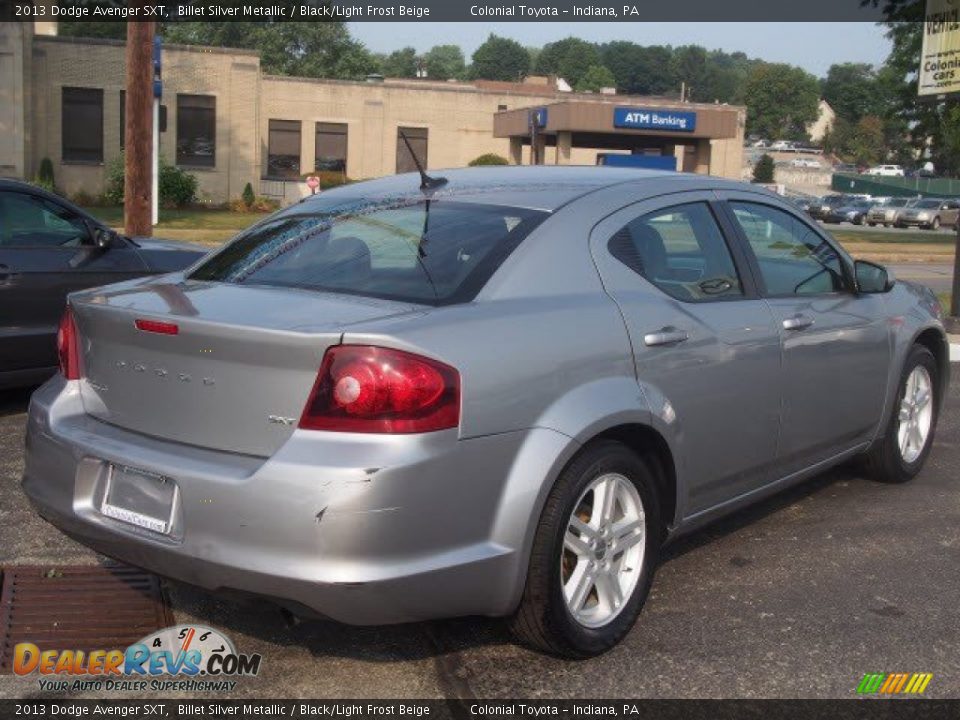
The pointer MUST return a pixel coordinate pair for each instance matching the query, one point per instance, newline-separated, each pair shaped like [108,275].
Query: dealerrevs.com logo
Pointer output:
[205,659]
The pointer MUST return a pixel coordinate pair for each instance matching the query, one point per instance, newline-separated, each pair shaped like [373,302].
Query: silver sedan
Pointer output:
[498,393]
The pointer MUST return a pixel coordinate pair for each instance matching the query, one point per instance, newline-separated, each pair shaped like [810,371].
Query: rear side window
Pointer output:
[435,252]
[680,250]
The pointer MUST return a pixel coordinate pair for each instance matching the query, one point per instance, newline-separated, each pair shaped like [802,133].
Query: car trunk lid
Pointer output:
[220,366]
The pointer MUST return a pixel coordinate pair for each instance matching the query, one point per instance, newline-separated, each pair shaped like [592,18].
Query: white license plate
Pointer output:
[140,498]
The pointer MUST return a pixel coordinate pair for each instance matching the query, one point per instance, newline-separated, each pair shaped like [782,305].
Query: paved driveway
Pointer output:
[797,597]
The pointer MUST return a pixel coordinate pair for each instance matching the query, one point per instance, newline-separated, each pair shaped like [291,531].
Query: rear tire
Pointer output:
[894,458]
[567,556]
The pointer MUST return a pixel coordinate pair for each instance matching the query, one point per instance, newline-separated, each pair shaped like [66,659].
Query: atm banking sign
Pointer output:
[650,119]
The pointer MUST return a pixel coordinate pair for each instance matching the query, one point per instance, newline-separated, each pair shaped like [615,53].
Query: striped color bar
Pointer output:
[894,683]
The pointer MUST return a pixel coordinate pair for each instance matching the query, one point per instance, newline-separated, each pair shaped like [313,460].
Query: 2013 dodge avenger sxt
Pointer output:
[496,395]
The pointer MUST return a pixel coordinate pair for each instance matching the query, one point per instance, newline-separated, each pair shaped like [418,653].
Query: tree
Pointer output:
[781,99]
[76,28]
[308,49]
[639,70]
[866,141]
[852,91]
[400,63]
[690,67]
[595,79]
[763,170]
[569,58]
[444,62]
[500,59]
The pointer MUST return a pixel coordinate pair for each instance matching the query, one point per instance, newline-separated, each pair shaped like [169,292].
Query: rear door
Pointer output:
[836,343]
[46,252]
[706,348]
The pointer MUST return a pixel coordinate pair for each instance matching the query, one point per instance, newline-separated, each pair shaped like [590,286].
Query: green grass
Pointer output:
[884,238]
[210,227]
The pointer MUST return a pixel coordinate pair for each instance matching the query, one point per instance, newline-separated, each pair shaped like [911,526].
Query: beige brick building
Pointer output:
[229,123]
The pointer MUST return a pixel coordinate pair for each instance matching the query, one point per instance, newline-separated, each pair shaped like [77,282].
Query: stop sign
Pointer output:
[313,182]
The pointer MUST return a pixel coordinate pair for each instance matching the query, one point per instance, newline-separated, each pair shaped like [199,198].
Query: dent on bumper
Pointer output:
[365,530]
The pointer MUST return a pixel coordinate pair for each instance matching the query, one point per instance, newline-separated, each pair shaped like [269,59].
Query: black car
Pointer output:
[48,248]
[851,211]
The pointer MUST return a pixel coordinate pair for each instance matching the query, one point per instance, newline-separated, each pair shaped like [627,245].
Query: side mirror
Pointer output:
[873,278]
[104,238]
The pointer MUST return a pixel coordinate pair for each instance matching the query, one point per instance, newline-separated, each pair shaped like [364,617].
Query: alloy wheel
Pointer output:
[603,550]
[916,414]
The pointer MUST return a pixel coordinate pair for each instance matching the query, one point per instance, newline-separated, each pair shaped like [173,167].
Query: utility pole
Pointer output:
[138,139]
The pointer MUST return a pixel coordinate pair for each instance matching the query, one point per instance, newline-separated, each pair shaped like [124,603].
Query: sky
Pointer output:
[812,46]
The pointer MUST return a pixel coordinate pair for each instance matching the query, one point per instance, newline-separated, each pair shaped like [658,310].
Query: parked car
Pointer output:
[49,248]
[921,173]
[848,168]
[782,145]
[378,406]
[806,163]
[887,213]
[827,204]
[851,211]
[885,170]
[930,214]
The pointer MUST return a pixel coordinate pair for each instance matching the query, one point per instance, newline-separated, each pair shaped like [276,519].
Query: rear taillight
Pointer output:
[68,346]
[370,389]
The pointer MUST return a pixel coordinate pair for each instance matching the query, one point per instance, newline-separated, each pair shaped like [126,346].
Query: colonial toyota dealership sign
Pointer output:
[940,58]
[655,119]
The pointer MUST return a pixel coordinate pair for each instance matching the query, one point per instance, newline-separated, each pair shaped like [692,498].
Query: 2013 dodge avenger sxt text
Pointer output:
[495,396]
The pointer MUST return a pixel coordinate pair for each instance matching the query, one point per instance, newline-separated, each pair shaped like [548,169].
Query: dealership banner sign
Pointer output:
[436,11]
[654,119]
[940,57]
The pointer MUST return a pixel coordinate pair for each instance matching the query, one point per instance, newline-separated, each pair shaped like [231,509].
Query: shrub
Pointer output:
[84,199]
[258,205]
[489,159]
[328,178]
[178,188]
[113,185]
[763,170]
[45,176]
[248,197]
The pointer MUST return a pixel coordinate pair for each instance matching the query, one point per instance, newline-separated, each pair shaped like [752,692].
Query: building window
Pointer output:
[501,108]
[331,152]
[418,141]
[283,149]
[196,130]
[82,125]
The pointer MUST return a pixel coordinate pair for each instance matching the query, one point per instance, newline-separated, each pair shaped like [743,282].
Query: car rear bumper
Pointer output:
[361,529]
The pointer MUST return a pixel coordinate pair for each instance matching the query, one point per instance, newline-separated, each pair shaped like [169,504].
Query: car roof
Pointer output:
[534,187]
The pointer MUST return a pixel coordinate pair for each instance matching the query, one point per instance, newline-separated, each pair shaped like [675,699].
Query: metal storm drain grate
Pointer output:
[77,608]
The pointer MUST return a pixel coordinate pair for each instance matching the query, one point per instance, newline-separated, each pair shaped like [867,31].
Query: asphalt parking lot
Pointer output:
[797,598]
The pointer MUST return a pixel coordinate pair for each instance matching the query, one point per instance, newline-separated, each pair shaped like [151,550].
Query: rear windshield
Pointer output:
[435,252]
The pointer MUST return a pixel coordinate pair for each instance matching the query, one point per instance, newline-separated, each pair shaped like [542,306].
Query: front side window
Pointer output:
[283,149]
[331,147]
[435,252]
[30,221]
[793,259]
[196,130]
[82,125]
[417,138]
[682,251]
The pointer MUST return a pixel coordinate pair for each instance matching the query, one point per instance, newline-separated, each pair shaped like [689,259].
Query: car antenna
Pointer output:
[426,182]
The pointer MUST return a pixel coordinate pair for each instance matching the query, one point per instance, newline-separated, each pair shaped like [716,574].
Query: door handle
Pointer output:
[666,336]
[798,322]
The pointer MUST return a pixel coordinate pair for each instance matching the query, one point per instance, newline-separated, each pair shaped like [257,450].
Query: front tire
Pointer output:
[898,455]
[594,554]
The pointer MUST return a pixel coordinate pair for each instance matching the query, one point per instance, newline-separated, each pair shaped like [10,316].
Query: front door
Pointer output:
[46,252]
[836,343]
[706,347]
